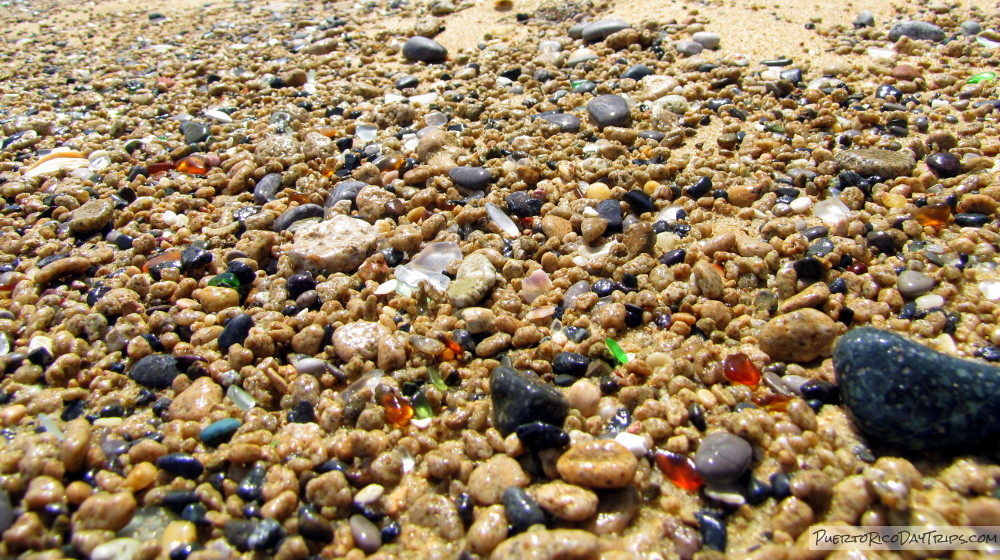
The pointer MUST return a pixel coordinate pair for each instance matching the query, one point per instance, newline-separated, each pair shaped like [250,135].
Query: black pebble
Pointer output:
[697,416]
[519,399]
[407,81]
[235,331]
[619,422]
[821,390]
[989,353]
[392,256]
[465,508]
[156,371]
[177,500]
[757,491]
[242,271]
[712,530]
[251,488]
[253,534]
[522,511]
[809,268]
[603,287]
[299,283]
[701,187]
[391,531]
[181,464]
[945,164]
[633,315]
[267,188]
[820,248]
[314,526]
[781,486]
[639,202]
[523,205]
[838,286]
[673,256]
[611,211]
[537,436]
[637,72]
[302,413]
[195,513]
[971,220]
[570,363]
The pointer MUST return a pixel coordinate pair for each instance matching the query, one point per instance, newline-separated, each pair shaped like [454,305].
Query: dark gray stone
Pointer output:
[522,511]
[301,212]
[918,30]
[865,19]
[570,363]
[565,121]
[267,188]
[523,205]
[902,393]
[472,178]
[181,464]
[249,535]
[422,49]
[945,164]
[194,258]
[235,331]
[637,72]
[348,190]
[194,132]
[220,431]
[609,110]
[519,399]
[970,27]
[602,29]
[6,511]
[156,371]
[722,457]
[611,211]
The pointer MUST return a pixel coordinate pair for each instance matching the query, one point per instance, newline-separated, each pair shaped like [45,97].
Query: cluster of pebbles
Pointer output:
[275,285]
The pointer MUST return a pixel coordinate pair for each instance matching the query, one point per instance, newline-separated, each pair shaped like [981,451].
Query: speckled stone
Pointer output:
[339,244]
[902,393]
[519,399]
[871,162]
[92,216]
[557,543]
[488,481]
[919,30]
[600,463]
[799,336]
[360,338]
[197,401]
[156,371]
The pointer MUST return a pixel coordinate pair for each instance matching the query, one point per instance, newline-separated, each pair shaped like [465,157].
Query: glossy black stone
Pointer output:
[611,211]
[821,390]
[235,331]
[299,213]
[391,531]
[696,414]
[603,287]
[637,72]
[971,220]
[988,353]
[181,464]
[407,81]
[156,371]
[314,526]
[609,110]
[302,413]
[522,510]
[251,488]
[639,202]
[902,393]
[781,486]
[881,242]
[633,315]
[565,121]
[537,436]
[945,164]
[523,205]
[177,500]
[712,530]
[472,178]
[465,507]
[619,422]
[422,49]
[570,363]
[700,188]
[820,248]
[809,268]
[815,232]
[757,491]
[249,535]
[347,190]
[673,256]
[519,399]
[299,283]
[242,271]
[886,91]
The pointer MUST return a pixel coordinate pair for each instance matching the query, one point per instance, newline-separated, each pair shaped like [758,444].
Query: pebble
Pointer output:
[104,511]
[194,258]
[181,464]
[537,436]
[522,510]
[917,30]
[366,535]
[865,19]
[314,526]
[488,480]
[236,331]
[523,205]
[478,319]
[472,178]
[217,298]
[799,336]
[722,457]
[602,29]
[551,544]
[339,244]
[584,395]
[117,549]
[60,268]
[713,531]
[970,27]
[598,464]
[945,164]
[570,363]
[347,190]
[249,535]
[360,338]
[609,110]
[912,284]
[92,217]
[688,47]
[901,393]
[474,279]
[611,212]
[566,501]
[565,121]
[194,132]
[299,213]
[220,431]
[868,162]
[519,399]
[6,511]
[422,49]
[197,401]
[707,39]
[267,188]
[156,371]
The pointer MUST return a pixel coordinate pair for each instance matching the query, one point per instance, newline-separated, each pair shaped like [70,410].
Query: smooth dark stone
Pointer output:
[757,491]
[523,205]
[633,315]
[177,500]
[945,164]
[865,19]
[181,464]
[821,390]
[472,178]
[700,188]
[609,110]
[405,82]
[195,513]
[603,287]
[881,242]
[712,530]
[988,353]
[718,103]
[519,399]
[654,135]
[465,507]
[242,271]
[918,30]
[570,363]
[970,27]
[251,487]
[781,486]
[639,202]
[267,188]
[722,457]
[194,132]
[302,413]
[235,331]
[885,91]
[637,72]
[299,283]
[156,371]
[578,334]
[815,232]
[902,393]
[41,357]
[537,436]
[249,535]
[194,258]
[611,211]
[565,121]
[838,286]
[220,431]
[348,190]
[792,75]
[313,526]
[809,268]
[586,86]
[422,49]
[965,219]
[619,422]
[673,256]
[391,531]
[393,256]
[522,511]
[300,212]
[602,29]
[777,62]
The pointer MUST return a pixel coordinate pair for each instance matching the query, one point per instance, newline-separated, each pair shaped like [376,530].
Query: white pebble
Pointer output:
[832,211]
[929,301]
[169,217]
[634,443]
[800,205]
[990,289]
[117,549]
[369,494]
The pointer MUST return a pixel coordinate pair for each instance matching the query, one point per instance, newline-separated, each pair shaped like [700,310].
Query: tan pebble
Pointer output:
[391,353]
[217,298]
[478,319]
[707,279]
[983,511]
[78,491]
[329,490]
[851,498]
[616,509]
[488,481]
[743,196]
[92,216]
[725,242]
[436,513]
[360,338]
[598,464]
[638,238]
[280,507]
[585,396]
[103,511]
[554,226]
[178,533]
[197,401]
[42,491]
[612,315]
[593,228]
[69,266]
[141,476]
[75,444]
[813,296]
[11,415]
[800,336]
[566,501]
[488,530]
[793,516]
[544,544]
[748,246]
[27,532]
[493,344]
[598,191]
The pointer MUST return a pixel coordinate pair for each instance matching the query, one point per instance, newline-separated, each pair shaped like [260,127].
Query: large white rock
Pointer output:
[340,244]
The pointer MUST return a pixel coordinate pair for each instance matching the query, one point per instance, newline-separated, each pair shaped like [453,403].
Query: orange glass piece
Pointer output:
[161,167]
[169,256]
[392,161]
[456,349]
[933,215]
[329,131]
[772,402]
[397,410]
[740,370]
[192,165]
[679,469]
